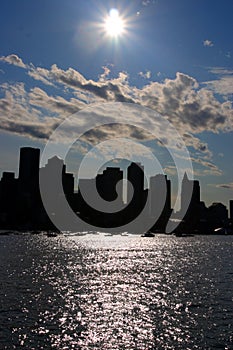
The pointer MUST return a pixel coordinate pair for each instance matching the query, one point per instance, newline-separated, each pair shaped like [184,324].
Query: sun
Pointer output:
[114,24]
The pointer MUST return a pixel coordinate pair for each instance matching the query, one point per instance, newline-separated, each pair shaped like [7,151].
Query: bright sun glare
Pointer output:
[114,24]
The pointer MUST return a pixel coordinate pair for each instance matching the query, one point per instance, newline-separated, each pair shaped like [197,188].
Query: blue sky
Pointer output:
[175,57]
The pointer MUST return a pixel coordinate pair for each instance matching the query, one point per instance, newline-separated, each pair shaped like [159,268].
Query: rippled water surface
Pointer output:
[116,292]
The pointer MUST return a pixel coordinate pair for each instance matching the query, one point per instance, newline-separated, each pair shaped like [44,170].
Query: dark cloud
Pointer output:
[228,186]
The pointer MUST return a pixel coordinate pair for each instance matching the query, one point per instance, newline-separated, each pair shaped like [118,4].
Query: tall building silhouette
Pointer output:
[135,175]
[56,177]
[108,182]
[231,211]
[29,169]
[28,194]
[108,188]
[85,209]
[160,200]
[57,187]
[190,203]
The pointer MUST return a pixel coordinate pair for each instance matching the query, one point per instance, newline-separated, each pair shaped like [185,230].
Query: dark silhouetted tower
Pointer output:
[55,175]
[160,200]
[29,170]
[231,211]
[28,199]
[106,184]
[190,201]
[57,188]
[135,175]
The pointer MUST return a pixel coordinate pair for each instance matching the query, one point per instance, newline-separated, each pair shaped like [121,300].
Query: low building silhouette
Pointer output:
[217,215]
[8,195]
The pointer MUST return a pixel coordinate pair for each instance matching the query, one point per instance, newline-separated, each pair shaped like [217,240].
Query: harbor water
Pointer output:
[97,291]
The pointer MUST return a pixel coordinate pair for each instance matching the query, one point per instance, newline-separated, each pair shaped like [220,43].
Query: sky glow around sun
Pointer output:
[114,24]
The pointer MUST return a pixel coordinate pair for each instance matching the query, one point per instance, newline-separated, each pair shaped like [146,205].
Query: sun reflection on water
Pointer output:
[113,292]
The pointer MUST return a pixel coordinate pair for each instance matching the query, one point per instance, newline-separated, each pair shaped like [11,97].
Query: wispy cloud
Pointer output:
[146,2]
[223,85]
[13,59]
[208,43]
[228,186]
[209,168]
[145,75]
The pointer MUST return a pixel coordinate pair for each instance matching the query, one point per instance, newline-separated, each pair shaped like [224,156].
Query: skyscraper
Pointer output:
[160,200]
[190,203]
[28,199]
[107,183]
[231,211]
[135,175]
[29,170]
[54,176]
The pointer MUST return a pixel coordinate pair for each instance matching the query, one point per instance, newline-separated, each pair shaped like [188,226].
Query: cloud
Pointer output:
[40,74]
[224,84]
[197,144]
[13,59]
[190,108]
[39,98]
[180,100]
[103,89]
[146,75]
[105,74]
[20,117]
[170,170]
[146,2]
[228,186]
[210,168]
[208,43]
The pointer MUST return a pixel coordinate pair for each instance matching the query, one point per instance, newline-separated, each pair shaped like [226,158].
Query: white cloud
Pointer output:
[170,170]
[188,107]
[146,75]
[146,2]
[40,74]
[13,59]
[105,74]
[224,84]
[208,43]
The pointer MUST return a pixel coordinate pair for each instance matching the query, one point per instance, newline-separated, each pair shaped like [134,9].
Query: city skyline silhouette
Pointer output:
[22,208]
